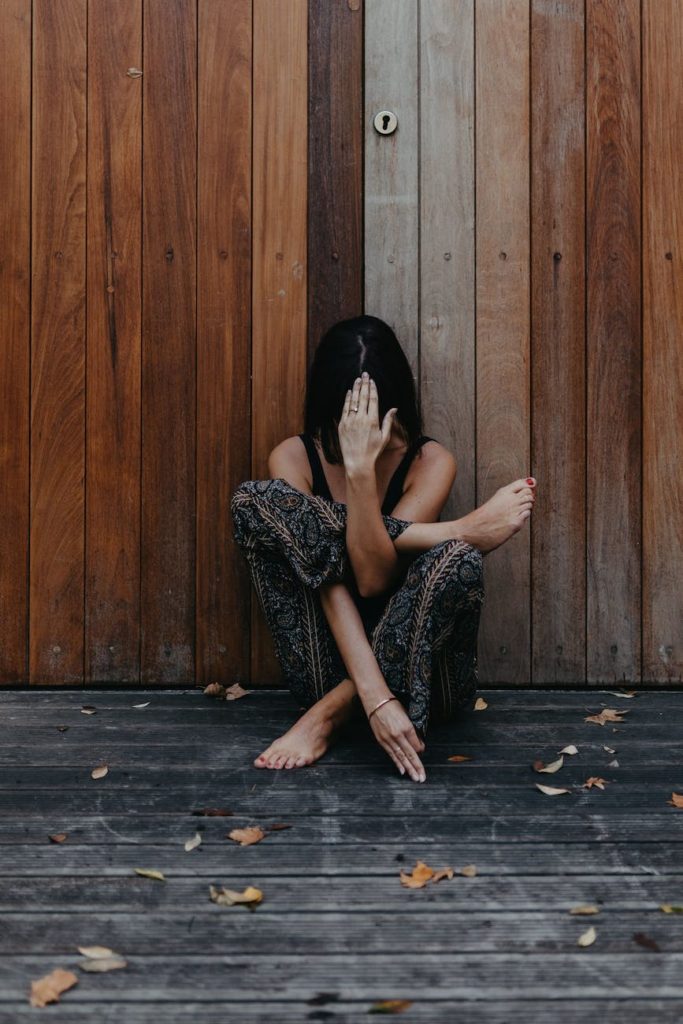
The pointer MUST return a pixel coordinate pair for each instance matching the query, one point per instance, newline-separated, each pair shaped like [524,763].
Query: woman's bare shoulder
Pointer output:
[289,459]
[435,455]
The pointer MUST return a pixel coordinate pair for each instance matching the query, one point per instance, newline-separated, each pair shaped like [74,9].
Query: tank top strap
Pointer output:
[395,488]
[319,481]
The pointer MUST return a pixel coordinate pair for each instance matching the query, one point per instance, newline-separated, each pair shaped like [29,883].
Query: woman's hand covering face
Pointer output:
[361,437]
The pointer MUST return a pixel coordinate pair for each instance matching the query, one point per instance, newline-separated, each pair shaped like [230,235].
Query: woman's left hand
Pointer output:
[361,437]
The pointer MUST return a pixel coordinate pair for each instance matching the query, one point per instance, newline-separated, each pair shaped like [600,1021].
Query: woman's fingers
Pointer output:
[373,403]
[355,397]
[347,403]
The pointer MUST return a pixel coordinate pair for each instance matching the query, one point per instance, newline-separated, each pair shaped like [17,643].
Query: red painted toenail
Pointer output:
[529,480]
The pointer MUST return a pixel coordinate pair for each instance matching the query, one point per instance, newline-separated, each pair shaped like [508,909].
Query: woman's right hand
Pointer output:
[395,732]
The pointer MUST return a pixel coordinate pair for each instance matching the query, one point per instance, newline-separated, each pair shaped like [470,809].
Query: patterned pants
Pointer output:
[425,642]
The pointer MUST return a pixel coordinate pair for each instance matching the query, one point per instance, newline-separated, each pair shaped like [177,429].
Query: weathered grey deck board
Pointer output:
[336,930]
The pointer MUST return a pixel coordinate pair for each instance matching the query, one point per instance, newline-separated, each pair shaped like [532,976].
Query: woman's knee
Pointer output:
[453,565]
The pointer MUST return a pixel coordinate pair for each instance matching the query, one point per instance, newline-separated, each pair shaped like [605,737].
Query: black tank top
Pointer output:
[395,488]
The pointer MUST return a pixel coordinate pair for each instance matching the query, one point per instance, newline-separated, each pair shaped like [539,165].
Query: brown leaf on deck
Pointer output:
[585,908]
[480,704]
[676,800]
[49,988]
[228,897]
[607,715]
[99,772]
[58,837]
[150,873]
[646,942]
[587,938]
[391,1006]
[103,964]
[553,766]
[235,691]
[594,780]
[214,690]
[550,790]
[88,709]
[459,757]
[247,836]
[277,826]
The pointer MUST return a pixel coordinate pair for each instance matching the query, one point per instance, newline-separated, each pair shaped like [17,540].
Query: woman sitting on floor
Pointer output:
[373,603]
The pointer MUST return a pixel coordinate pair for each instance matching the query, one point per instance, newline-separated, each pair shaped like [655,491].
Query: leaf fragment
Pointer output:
[134,73]
[469,871]
[610,750]
[278,826]
[571,749]
[459,757]
[587,938]
[103,964]
[668,908]
[629,693]
[49,988]
[554,766]
[594,780]
[419,876]
[235,691]
[585,908]
[480,704]
[99,772]
[88,709]
[58,837]
[646,942]
[96,952]
[247,836]
[613,763]
[550,790]
[214,690]
[146,705]
[192,844]
[228,897]
[676,800]
[390,1005]
[607,715]
[150,873]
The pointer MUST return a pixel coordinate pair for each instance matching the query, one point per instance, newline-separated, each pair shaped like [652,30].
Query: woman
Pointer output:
[373,603]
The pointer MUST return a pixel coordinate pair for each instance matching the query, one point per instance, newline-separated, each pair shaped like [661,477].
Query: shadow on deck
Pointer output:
[336,931]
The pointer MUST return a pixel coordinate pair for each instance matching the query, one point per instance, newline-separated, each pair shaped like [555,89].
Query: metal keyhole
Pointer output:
[385,122]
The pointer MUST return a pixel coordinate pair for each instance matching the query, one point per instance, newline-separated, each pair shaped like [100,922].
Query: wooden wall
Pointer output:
[193,191]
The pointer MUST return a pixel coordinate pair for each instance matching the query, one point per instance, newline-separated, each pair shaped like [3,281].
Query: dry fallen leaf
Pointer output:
[247,836]
[103,964]
[49,988]
[389,1005]
[594,780]
[480,704]
[585,908]
[610,750]
[193,843]
[212,812]
[469,871]
[550,790]
[63,728]
[554,766]
[613,764]
[96,952]
[571,749]
[459,757]
[150,873]
[227,897]
[99,772]
[419,876]
[146,705]
[587,938]
[214,690]
[235,691]
[648,943]
[58,837]
[88,709]
[134,73]
[669,909]
[629,693]
[676,800]
[442,873]
[277,826]
[607,715]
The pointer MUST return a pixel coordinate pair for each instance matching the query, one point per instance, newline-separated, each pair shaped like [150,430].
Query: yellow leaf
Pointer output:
[390,1005]
[571,749]
[228,897]
[669,909]
[192,844]
[247,836]
[585,908]
[587,938]
[419,876]
[49,988]
[550,790]
[480,704]
[99,772]
[150,873]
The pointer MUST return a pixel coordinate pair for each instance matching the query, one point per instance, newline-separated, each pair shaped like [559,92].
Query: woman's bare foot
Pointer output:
[494,522]
[311,736]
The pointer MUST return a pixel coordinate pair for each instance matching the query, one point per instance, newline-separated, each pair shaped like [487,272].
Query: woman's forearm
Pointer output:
[354,647]
[371,550]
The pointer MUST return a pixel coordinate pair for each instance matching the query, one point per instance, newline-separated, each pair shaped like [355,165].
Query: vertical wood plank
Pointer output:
[613,427]
[447,237]
[169,341]
[502,316]
[558,341]
[662,349]
[280,103]
[58,341]
[335,165]
[15,338]
[391,171]
[112,605]
[223,333]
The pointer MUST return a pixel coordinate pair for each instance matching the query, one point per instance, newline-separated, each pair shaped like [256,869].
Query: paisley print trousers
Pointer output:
[425,641]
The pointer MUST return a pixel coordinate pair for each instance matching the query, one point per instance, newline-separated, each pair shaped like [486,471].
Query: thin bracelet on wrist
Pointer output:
[384,701]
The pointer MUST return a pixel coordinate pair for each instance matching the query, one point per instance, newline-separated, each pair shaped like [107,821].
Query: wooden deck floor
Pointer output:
[336,930]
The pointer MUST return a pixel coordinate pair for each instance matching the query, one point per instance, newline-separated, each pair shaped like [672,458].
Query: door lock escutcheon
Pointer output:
[385,122]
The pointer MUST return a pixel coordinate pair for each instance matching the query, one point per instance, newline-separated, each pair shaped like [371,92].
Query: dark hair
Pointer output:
[344,351]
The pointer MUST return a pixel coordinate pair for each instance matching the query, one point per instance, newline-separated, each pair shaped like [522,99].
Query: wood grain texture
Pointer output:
[112,581]
[168,341]
[502,319]
[447,337]
[335,165]
[223,334]
[558,595]
[15,337]
[391,171]
[613,358]
[58,341]
[662,350]
[279,283]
